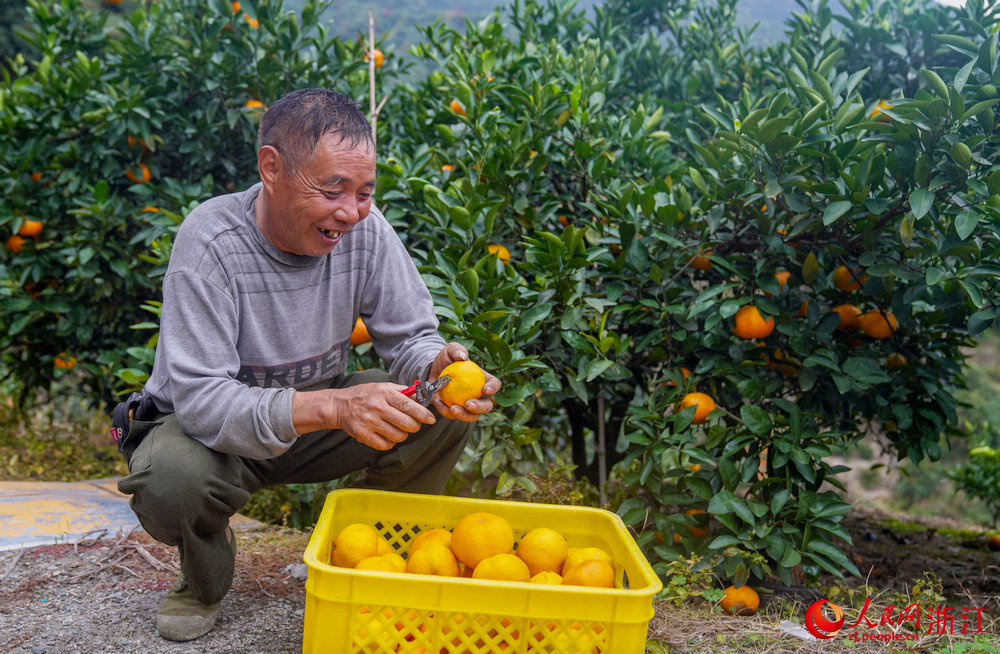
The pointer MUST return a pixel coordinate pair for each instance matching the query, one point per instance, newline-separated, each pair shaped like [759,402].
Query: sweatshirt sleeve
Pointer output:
[198,335]
[398,310]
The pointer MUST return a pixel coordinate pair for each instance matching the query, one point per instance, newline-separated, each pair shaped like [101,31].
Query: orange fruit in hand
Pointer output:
[144,174]
[704,403]
[431,537]
[479,536]
[359,336]
[467,380]
[751,324]
[355,542]
[15,243]
[31,228]
[848,281]
[850,317]
[595,573]
[379,58]
[740,601]
[502,253]
[456,106]
[878,324]
[433,559]
[701,261]
[542,549]
[502,567]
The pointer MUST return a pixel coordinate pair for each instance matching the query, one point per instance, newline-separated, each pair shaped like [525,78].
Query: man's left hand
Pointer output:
[451,353]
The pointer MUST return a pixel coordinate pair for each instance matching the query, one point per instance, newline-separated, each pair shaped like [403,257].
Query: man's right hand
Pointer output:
[378,415]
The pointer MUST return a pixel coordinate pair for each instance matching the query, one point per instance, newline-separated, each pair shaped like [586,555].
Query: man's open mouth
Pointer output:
[330,234]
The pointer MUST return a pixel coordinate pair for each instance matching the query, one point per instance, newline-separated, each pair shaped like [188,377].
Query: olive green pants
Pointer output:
[184,493]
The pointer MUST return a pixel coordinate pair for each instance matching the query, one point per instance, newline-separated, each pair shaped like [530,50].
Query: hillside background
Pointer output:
[397,18]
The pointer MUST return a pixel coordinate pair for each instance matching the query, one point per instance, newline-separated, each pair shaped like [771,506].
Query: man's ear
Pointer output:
[269,165]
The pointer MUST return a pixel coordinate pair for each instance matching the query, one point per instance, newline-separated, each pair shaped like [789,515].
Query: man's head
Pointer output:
[317,167]
[294,124]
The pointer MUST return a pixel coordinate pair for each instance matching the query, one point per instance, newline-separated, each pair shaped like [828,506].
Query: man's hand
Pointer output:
[451,353]
[378,415]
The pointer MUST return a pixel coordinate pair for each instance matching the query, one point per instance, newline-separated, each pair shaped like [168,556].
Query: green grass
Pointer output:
[59,437]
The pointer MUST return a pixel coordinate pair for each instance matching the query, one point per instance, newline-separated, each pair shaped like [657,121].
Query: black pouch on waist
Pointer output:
[138,406]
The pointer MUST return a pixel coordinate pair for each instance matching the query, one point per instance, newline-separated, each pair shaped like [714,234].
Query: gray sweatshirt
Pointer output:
[245,325]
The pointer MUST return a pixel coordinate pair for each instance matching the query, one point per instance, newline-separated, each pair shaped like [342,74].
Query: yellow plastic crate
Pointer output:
[352,611]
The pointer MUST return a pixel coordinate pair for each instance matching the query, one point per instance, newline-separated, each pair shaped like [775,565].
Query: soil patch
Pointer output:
[102,594]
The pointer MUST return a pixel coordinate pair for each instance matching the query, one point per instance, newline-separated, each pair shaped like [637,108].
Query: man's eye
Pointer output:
[332,194]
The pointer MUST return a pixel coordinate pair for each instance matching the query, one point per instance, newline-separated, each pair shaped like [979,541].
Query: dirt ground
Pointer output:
[101,594]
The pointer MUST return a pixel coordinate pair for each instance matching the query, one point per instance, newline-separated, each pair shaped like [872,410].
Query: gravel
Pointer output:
[101,595]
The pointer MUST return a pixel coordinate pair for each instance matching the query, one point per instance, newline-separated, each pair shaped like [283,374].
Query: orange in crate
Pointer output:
[351,611]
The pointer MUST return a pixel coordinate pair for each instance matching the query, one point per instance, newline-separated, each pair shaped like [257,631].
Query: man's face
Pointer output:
[309,210]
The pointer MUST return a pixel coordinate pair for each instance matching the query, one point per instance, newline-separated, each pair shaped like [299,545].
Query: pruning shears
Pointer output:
[423,393]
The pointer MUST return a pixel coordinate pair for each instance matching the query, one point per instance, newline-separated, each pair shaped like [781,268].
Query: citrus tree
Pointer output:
[808,255]
[122,124]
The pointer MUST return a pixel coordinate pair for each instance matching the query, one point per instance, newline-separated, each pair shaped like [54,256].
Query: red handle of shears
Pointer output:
[408,392]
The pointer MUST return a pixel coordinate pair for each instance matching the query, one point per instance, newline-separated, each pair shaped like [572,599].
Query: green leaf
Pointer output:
[965,224]
[699,487]
[756,419]
[632,511]
[835,210]
[492,460]
[961,153]
[791,558]
[596,367]
[935,81]
[921,201]
[935,275]
[973,292]
[723,541]
[779,500]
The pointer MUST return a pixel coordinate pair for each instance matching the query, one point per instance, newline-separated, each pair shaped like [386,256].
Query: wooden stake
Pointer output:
[602,462]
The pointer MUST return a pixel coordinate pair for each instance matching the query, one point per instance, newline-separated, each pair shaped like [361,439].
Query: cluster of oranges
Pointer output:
[751,324]
[29,229]
[140,172]
[480,546]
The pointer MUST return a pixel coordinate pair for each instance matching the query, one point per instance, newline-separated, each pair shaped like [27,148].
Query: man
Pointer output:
[248,387]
